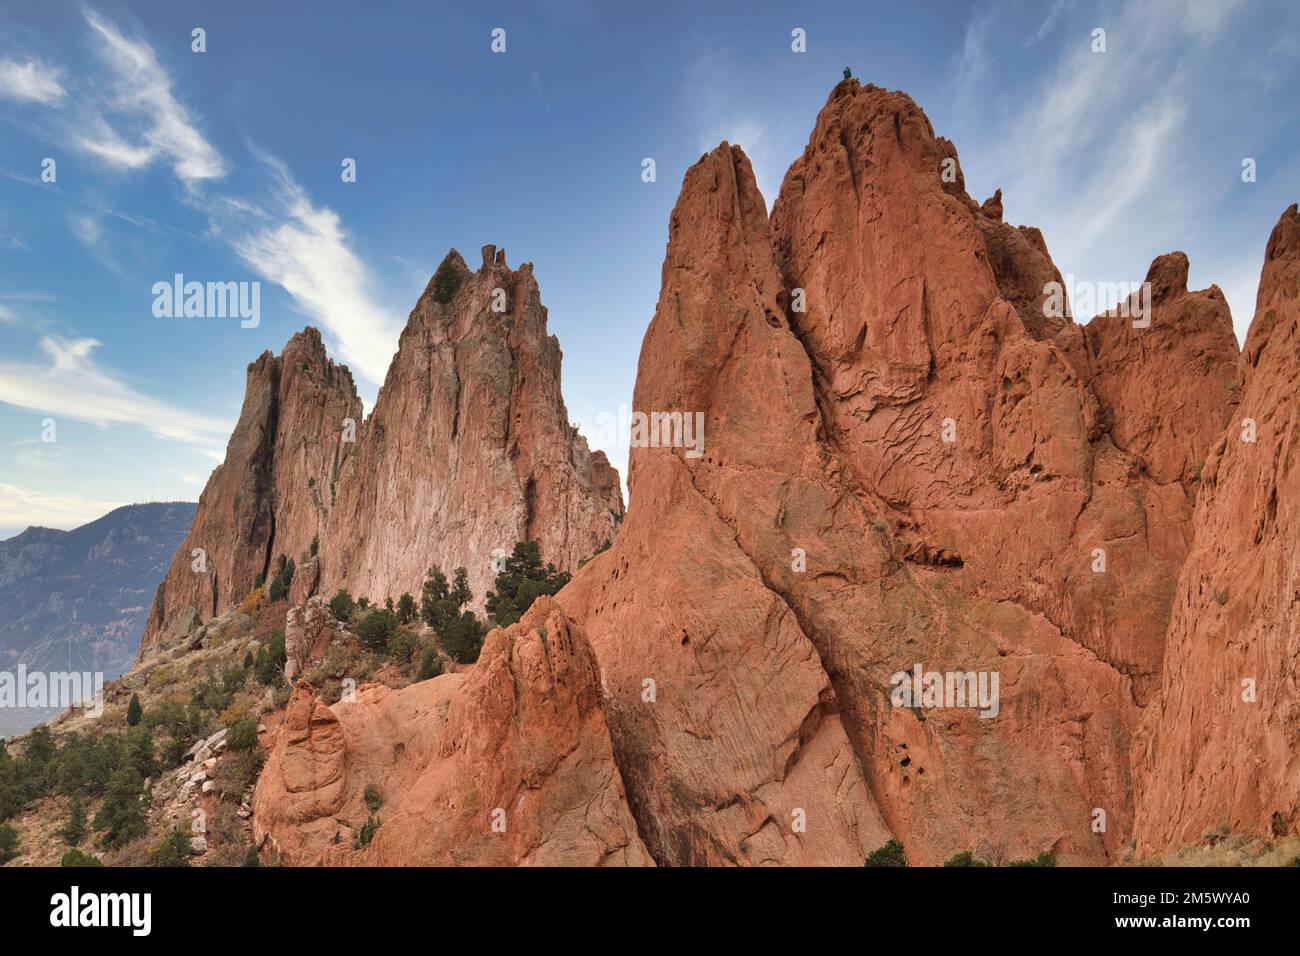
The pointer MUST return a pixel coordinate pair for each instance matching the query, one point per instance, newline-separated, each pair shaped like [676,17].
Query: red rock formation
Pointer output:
[832,353]
[1190,342]
[308,630]
[270,496]
[509,764]
[469,447]
[468,450]
[1220,746]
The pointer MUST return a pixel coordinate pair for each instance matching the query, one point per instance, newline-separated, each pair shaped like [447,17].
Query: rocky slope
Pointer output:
[76,600]
[467,451]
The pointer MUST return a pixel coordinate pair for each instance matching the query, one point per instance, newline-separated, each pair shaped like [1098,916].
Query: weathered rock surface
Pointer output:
[468,450]
[1190,342]
[832,352]
[1220,746]
[308,630]
[509,764]
[270,496]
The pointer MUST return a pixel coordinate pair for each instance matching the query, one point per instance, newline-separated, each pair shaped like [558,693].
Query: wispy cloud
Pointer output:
[1053,15]
[22,507]
[1095,147]
[304,248]
[31,82]
[141,91]
[87,230]
[71,384]
[102,141]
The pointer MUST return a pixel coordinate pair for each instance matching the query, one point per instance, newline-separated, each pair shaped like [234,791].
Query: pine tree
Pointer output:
[522,582]
[8,843]
[74,830]
[174,851]
[134,711]
[121,815]
[406,607]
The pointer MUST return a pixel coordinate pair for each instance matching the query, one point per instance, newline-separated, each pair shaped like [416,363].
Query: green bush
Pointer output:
[134,711]
[75,857]
[406,608]
[73,830]
[965,858]
[891,854]
[374,798]
[430,663]
[375,629]
[268,667]
[242,735]
[363,836]
[463,638]
[174,850]
[121,815]
[402,646]
[342,606]
[251,858]
[1043,859]
[280,583]
[233,680]
[8,843]
[523,580]
[237,772]
[446,280]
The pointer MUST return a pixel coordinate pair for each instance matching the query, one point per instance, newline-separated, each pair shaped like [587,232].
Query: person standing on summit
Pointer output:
[848,74]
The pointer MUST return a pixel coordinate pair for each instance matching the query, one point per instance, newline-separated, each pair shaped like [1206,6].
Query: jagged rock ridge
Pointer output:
[467,450]
[907,462]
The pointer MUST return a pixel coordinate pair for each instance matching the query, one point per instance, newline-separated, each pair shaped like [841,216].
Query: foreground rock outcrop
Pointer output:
[467,451]
[908,462]
[1221,744]
[509,764]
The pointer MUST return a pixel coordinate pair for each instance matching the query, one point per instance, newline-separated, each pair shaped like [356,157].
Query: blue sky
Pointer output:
[225,166]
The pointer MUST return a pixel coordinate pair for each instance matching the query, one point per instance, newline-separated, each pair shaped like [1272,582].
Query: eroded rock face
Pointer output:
[509,764]
[270,496]
[1189,348]
[308,629]
[905,463]
[468,450]
[1220,745]
[469,447]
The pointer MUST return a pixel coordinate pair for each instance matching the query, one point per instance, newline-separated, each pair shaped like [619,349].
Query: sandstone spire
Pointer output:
[468,450]
[270,496]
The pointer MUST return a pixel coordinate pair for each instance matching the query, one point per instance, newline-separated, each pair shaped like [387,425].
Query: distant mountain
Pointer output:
[78,600]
